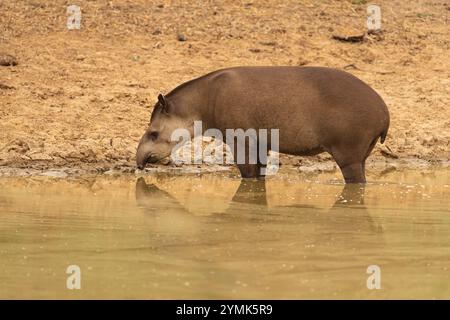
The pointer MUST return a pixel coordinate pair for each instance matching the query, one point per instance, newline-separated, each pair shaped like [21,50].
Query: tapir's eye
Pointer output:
[153,135]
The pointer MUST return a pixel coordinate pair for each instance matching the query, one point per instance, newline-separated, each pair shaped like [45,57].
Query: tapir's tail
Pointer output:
[383,135]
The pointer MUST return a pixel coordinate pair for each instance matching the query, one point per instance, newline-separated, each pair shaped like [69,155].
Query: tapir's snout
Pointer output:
[150,152]
[140,162]
[143,154]
[141,165]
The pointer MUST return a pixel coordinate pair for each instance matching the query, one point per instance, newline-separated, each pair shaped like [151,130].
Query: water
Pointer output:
[211,236]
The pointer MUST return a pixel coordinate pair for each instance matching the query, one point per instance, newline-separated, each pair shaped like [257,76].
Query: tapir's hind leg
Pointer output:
[353,173]
[351,159]
[371,146]
[351,162]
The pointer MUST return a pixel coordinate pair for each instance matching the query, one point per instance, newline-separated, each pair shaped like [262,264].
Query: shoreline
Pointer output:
[379,165]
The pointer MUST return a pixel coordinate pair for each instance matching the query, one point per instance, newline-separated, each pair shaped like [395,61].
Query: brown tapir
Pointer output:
[315,109]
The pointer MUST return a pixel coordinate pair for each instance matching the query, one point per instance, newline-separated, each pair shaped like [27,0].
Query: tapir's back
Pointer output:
[312,102]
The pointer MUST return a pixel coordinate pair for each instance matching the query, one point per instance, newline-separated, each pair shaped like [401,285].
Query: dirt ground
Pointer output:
[82,98]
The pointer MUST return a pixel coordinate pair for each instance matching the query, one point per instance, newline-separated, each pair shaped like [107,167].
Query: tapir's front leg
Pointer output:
[251,170]
[247,168]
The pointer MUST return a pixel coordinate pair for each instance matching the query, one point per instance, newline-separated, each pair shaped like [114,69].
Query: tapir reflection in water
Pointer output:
[171,214]
[315,110]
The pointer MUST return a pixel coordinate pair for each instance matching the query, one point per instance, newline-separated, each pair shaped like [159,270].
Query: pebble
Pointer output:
[54,174]
[181,37]
[7,60]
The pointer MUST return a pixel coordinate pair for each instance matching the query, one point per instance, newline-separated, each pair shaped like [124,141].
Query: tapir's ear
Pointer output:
[163,102]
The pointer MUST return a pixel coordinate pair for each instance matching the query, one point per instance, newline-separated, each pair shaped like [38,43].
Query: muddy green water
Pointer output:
[212,236]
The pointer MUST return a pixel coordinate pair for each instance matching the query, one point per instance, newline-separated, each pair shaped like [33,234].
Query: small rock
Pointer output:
[5,87]
[389,168]
[40,156]
[7,60]
[268,43]
[349,38]
[302,62]
[17,145]
[109,172]
[54,174]
[387,152]
[181,37]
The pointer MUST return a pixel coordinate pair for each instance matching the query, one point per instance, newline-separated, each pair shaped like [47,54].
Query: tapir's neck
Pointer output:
[191,101]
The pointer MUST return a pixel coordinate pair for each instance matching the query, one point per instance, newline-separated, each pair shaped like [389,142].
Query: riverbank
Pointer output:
[308,167]
[81,99]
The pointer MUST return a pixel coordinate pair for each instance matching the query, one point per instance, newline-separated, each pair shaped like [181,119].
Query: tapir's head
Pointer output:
[156,142]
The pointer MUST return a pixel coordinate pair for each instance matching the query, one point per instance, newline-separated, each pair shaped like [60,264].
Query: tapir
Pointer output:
[315,109]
